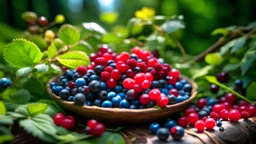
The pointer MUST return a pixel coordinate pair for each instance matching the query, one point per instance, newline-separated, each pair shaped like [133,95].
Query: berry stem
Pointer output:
[115,130]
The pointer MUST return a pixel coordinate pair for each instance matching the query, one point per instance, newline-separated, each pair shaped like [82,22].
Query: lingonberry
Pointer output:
[116,74]
[210,123]
[222,100]
[252,110]
[230,98]
[109,69]
[242,103]
[192,118]
[243,108]
[128,83]
[130,73]
[234,115]
[151,62]
[218,107]
[189,111]
[122,67]
[137,88]
[171,80]
[137,51]
[200,125]
[183,121]
[174,73]
[245,115]
[224,114]
[99,129]
[174,92]
[154,94]
[71,84]
[68,122]
[58,117]
[107,56]
[201,103]
[162,101]
[92,123]
[111,83]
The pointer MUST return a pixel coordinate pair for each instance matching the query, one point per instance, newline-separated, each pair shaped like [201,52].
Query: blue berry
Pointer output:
[107,104]
[124,103]
[178,85]
[79,99]
[154,127]
[110,61]
[103,94]
[165,91]
[94,77]
[185,97]
[97,102]
[113,65]
[218,123]
[162,83]
[67,88]
[80,82]
[81,89]
[88,103]
[133,56]
[122,95]
[142,106]
[239,83]
[91,96]
[64,94]
[169,86]
[171,99]
[111,95]
[212,101]
[118,88]
[61,77]
[56,89]
[137,70]
[131,94]
[116,100]
[76,76]
[133,106]
[70,98]
[5,82]
[177,132]
[179,99]
[221,128]
[206,109]
[202,114]
[53,84]
[90,72]
[163,134]
[187,87]
[182,92]
[95,86]
[103,86]
[68,74]
[151,104]
[99,69]
[155,84]
[135,102]
[171,123]
[74,91]
[183,81]
[86,78]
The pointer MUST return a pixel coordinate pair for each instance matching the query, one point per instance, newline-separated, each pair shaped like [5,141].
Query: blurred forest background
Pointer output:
[201,16]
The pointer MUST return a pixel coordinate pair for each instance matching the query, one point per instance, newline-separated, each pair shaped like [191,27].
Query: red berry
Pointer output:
[111,83]
[189,111]
[234,115]
[149,76]
[235,107]
[100,61]
[107,56]
[93,56]
[137,51]
[245,115]
[218,107]
[158,67]
[162,101]
[172,80]
[139,78]
[222,100]
[99,129]
[151,62]
[81,70]
[193,118]
[130,73]
[200,125]
[128,83]
[105,75]
[131,63]
[167,68]
[143,66]
[58,117]
[174,92]
[201,103]
[108,69]
[174,73]
[214,115]
[224,114]
[92,123]
[183,121]
[68,122]
[227,105]
[210,123]
[153,73]
[154,94]
[137,88]
[230,98]
[252,110]
[63,68]
[160,75]
[124,56]
[243,108]
[103,48]
[144,99]
[145,84]
[243,103]
[204,118]
[122,67]
[222,77]
[71,84]
[42,21]
[144,54]
[116,74]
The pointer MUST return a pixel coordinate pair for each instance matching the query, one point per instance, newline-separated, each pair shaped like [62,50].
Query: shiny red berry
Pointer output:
[242,108]
[139,78]
[42,21]
[154,94]
[201,103]
[234,115]
[145,84]
[172,80]
[116,74]
[222,77]
[158,67]
[174,73]
[183,121]
[174,92]
[227,105]
[214,88]
[68,122]
[107,56]
[103,48]
[245,115]
[137,88]
[58,117]
[162,101]
[128,83]
[200,125]
[144,99]
[99,129]
[81,70]
[224,114]
[122,67]
[151,62]
[105,75]
[252,110]
[71,84]
[124,56]
[230,98]
[111,83]
[210,123]
[143,66]
[149,76]
[193,118]
[93,56]
[92,123]
[242,103]
[167,68]
[130,73]
[189,111]
[137,51]
[214,115]
[218,107]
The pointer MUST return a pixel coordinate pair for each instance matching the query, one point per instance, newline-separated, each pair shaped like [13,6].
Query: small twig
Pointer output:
[141,44]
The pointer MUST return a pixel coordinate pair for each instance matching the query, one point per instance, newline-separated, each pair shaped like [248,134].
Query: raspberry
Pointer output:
[109,69]
[111,83]
[245,115]
[151,62]
[183,121]
[100,61]
[201,103]
[128,83]
[154,94]
[159,67]
[105,75]
[116,74]
[153,73]
[210,123]
[189,111]
[139,78]
[200,125]
[131,63]
[224,114]
[143,66]
[193,118]
[234,115]
[214,115]
[130,73]
[81,70]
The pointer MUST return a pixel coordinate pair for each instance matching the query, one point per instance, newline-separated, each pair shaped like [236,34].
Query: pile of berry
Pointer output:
[136,81]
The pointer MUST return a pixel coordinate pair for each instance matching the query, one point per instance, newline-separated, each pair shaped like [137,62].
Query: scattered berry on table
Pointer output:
[163,134]
[177,132]
[192,118]
[154,127]
[245,115]
[234,115]
[210,123]
[200,125]
[170,123]
[183,121]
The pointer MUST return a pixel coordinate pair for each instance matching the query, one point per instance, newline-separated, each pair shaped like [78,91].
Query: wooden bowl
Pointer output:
[123,116]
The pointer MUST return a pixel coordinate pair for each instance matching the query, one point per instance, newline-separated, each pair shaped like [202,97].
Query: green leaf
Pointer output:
[248,60]
[94,27]
[202,72]
[239,43]
[5,135]
[39,41]
[251,25]
[22,53]
[21,97]
[226,47]
[172,26]
[52,51]
[115,138]
[4,119]
[109,17]
[2,108]
[23,72]
[112,38]
[42,68]
[231,67]
[71,137]
[69,34]
[55,67]
[74,59]
[222,31]
[37,108]
[251,91]
[21,111]
[213,59]
[83,46]
[52,108]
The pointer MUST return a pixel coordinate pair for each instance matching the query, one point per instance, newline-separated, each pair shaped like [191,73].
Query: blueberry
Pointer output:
[90,72]
[163,134]
[80,82]
[87,130]
[181,92]
[94,77]
[76,76]
[107,104]
[150,69]
[179,99]
[171,123]
[239,83]
[202,114]
[74,91]
[133,106]
[113,65]
[103,94]
[110,61]
[221,128]
[79,99]
[165,91]
[131,94]
[124,103]
[146,91]
[179,133]
[183,81]
[135,102]
[154,127]
[51,84]
[64,82]
[68,74]
[5,82]
[91,96]
[70,98]
[187,87]
[137,69]
[111,95]
[97,102]
[139,60]
[218,123]
[163,83]
[178,86]
[67,88]
[142,106]
[122,95]
[88,103]
[61,77]
[155,84]
[171,99]
[64,94]
[99,69]
[95,86]
[206,109]
[81,89]
[169,86]
[56,89]
[212,101]
[151,104]
[86,78]
[103,86]
[118,88]
[185,97]
[133,56]
[124,76]
[73,71]
[116,100]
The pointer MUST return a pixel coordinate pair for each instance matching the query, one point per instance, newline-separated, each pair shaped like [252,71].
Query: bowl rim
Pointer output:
[125,110]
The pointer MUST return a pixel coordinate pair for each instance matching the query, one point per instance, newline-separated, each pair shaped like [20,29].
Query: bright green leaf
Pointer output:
[109,17]
[35,87]
[39,41]
[251,91]
[239,43]
[94,27]
[22,53]
[83,46]
[221,31]
[58,43]
[21,96]
[69,34]
[71,137]
[213,59]
[112,38]
[248,60]
[2,108]
[52,51]
[36,108]
[115,138]
[55,67]
[23,72]
[21,111]
[226,47]
[172,26]
[73,59]
[42,68]
[4,119]
[202,72]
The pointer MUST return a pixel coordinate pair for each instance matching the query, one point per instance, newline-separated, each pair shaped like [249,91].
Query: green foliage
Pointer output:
[73,59]
[83,46]
[213,59]
[21,96]
[94,28]
[239,43]
[222,31]
[2,108]
[37,108]
[172,26]
[42,68]
[251,91]
[69,34]
[24,72]
[52,51]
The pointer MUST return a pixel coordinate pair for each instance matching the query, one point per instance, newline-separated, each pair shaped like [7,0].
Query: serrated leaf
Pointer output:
[251,91]
[231,67]
[83,46]
[21,111]
[23,72]
[4,119]
[21,96]
[22,53]
[2,108]
[74,59]
[213,59]
[222,31]
[69,34]
[55,67]
[115,138]
[94,27]
[52,51]
[36,108]
[172,26]
[42,68]
[239,43]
